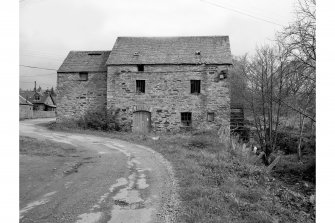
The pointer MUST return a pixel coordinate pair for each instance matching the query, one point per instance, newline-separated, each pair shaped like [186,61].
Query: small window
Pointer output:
[186,118]
[210,116]
[195,86]
[37,97]
[223,74]
[140,86]
[140,67]
[83,76]
[136,54]
[197,53]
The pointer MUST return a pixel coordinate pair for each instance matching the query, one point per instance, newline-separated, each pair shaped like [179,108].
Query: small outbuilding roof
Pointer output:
[171,50]
[85,61]
[24,101]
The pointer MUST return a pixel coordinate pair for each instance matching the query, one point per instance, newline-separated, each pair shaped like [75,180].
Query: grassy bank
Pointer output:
[218,184]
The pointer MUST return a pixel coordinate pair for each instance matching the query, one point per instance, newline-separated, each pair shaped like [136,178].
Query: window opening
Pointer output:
[223,74]
[83,76]
[186,118]
[210,116]
[140,67]
[140,86]
[195,86]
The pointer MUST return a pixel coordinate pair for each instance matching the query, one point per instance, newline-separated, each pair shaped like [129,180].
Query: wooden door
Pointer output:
[141,121]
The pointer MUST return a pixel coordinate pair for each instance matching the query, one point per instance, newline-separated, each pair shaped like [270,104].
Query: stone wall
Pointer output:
[167,94]
[26,111]
[76,97]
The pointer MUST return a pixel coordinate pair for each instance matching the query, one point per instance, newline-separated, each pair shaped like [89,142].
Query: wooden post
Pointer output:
[273,164]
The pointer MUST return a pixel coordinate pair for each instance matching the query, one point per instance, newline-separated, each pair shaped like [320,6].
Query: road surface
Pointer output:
[115,181]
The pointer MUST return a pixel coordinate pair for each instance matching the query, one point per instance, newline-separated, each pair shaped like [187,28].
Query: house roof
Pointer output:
[171,50]
[30,95]
[43,100]
[24,101]
[85,61]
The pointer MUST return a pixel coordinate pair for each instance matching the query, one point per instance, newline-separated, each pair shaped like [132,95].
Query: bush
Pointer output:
[287,143]
[96,120]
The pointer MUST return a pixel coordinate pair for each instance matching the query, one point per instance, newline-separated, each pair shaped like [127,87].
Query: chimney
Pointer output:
[35,87]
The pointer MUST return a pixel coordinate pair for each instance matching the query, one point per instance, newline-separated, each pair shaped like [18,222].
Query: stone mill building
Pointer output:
[150,83]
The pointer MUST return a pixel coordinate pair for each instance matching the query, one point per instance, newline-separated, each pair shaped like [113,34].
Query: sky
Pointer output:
[49,29]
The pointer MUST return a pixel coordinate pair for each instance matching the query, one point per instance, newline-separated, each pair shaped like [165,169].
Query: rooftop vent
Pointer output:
[136,54]
[197,52]
[94,54]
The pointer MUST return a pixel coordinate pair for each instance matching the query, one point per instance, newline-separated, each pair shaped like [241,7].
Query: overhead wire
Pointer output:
[34,67]
[241,12]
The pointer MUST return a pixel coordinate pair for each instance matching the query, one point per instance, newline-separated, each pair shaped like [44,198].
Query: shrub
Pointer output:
[96,120]
[287,143]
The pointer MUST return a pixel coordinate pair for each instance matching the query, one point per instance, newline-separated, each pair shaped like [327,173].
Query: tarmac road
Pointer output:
[112,181]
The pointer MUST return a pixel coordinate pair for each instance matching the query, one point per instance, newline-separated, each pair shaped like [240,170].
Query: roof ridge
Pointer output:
[171,50]
[172,36]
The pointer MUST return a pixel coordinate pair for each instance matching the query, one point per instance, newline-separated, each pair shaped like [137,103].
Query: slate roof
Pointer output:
[171,50]
[30,95]
[23,101]
[85,61]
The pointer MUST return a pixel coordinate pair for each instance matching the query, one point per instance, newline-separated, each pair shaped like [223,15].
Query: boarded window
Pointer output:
[195,86]
[210,116]
[140,67]
[140,86]
[186,118]
[83,76]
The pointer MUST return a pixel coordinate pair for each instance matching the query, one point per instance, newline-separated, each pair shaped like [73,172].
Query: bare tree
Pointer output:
[299,37]
[265,75]
[299,41]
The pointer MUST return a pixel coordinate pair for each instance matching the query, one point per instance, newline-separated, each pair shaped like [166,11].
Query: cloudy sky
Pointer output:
[49,29]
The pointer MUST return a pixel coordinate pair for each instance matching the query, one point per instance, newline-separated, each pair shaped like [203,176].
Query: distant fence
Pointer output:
[44,114]
[26,113]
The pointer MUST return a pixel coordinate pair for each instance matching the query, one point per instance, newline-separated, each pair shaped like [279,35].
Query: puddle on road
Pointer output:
[120,214]
[120,182]
[89,217]
[44,200]
[141,182]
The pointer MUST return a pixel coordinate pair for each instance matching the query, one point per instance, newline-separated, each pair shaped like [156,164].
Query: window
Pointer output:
[186,118]
[210,116]
[195,86]
[223,74]
[140,67]
[83,76]
[140,86]
[37,97]
[197,53]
